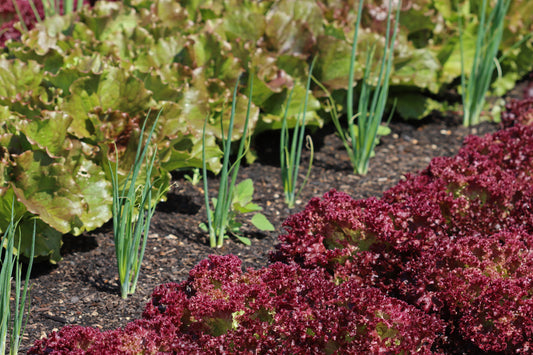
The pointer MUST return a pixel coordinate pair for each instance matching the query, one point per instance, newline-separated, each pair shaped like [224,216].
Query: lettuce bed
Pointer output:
[443,261]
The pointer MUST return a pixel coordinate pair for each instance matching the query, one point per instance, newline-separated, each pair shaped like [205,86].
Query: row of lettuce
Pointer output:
[76,85]
[441,263]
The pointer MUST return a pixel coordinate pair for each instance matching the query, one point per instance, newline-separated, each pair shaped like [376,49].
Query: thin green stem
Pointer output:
[229,185]
[6,271]
[220,218]
[311,148]
[351,74]
[371,118]
[489,34]
[284,156]
[9,262]
[331,107]
[212,235]
[131,219]
[19,14]
[372,99]
[19,322]
[290,160]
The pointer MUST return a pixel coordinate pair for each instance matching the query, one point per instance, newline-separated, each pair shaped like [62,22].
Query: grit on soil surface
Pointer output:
[83,288]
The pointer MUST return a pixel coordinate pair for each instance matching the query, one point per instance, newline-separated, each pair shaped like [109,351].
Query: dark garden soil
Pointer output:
[83,288]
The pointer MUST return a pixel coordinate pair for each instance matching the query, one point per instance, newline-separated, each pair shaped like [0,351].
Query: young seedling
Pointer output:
[10,261]
[133,209]
[488,40]
[232,198]
[195,177]
[290,160]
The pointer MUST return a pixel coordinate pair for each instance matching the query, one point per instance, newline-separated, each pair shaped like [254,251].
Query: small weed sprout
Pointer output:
[195,177]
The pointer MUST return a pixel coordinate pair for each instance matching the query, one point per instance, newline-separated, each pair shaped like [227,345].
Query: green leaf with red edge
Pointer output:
[69,193]
[48,133]
[106,19]
[245,23]
[292,26]
[20,79]
[278,105]
[333,65]
[93,97]
[179,142]
[47,35]
[47,241]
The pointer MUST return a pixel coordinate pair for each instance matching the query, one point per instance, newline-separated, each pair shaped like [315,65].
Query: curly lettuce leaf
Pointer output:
[93,97]
[69,193]
[20,79]
[292,26]
[47,240]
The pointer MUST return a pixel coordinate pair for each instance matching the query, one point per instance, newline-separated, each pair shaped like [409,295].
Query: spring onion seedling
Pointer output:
[361,137]
[132,211]
[488,40]
[232,198]
[9,262]
[290,160]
